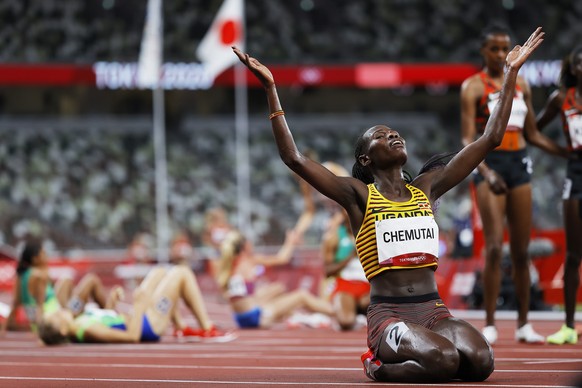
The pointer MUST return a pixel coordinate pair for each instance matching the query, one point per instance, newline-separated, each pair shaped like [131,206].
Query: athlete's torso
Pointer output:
[26,296]
[513,138]
[397,235]
[239,287]
[571,113]
[108,318]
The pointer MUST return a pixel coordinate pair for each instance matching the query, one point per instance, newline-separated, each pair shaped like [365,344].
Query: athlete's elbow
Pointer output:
[291,158]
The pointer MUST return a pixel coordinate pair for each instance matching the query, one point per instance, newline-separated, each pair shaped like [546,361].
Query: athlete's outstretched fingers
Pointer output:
[476,354]
[412,353]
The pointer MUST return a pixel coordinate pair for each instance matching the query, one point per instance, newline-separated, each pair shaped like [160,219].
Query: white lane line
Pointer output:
[242,383]
[157,366]
[157,355]
[231,367]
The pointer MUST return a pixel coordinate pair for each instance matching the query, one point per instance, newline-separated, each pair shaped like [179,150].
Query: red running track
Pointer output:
[280,357]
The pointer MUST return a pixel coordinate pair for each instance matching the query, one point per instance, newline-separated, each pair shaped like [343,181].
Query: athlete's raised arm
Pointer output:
[344,190]
[473,154]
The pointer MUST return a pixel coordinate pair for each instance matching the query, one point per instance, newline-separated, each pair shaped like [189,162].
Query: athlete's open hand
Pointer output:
[260,71]
[519,54]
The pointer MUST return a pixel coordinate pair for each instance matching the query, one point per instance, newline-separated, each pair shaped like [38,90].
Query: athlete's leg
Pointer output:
[152,279]
[64,290]
[492,211]
[269,291]
[179,282]
[573,228]
[89,287]
[476,356]
[519,209]
[412,353]
[344,305]
[278,308]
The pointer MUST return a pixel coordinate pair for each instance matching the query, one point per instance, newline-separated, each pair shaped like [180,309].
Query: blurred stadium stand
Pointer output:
[332,31]
[79,162]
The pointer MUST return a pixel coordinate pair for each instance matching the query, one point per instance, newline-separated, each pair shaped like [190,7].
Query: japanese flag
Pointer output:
[150,56]
[227,30]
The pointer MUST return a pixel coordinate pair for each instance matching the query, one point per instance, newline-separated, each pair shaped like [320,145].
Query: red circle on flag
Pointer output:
[229,32]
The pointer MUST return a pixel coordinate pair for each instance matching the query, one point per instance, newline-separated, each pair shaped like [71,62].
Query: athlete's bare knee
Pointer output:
[179,271]
[91,278]
[478,365]
[494,252]
[484,364]
[157,271]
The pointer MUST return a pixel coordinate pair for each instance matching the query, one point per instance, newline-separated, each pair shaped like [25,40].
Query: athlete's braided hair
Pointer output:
[358,171]
[437,161]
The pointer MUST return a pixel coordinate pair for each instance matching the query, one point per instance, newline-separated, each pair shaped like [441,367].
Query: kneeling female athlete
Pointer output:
[411,334]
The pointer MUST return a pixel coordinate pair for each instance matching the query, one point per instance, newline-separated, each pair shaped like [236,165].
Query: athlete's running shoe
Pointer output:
[371,364]
[216,335]
[213,334]
[566,335]
[187,332]
[527,334]
[490,334]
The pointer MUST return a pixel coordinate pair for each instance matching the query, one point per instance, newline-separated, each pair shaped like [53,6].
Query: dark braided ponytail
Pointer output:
[31,249]
[437,161]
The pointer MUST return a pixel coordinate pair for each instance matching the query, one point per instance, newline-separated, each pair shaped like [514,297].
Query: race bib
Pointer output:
[237,286]
[518,110]
[407,241]
[575,130]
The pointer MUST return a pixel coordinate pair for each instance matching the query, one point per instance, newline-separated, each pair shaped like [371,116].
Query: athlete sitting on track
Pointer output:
[34,290]
[411,334]
[155,301]
[264,307]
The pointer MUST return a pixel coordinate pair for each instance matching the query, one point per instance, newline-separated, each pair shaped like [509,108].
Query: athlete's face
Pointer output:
[495,50]
[40,259]
[60,320]
[385,142]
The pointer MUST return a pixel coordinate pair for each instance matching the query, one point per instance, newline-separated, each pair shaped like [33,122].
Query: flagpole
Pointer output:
[148,76]
[242,151]
[161,174]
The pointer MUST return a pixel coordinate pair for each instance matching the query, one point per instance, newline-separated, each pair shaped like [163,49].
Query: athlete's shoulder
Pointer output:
[473,85]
